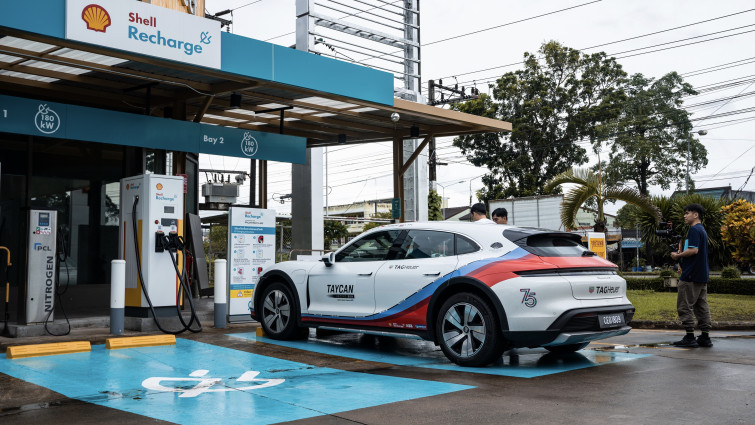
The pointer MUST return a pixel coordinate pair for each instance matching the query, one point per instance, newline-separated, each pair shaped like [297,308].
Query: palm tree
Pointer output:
[589,186]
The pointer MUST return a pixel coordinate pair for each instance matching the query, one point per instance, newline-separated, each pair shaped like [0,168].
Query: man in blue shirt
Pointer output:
[691,301]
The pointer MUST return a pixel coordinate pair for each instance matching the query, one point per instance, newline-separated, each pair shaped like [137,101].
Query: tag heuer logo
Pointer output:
[592,289]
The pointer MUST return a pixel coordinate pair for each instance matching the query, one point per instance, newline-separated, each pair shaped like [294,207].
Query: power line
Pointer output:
[667,30]
[684,45]
[342,17]
[490,28]
[509,23]
[733,161]
[619,53]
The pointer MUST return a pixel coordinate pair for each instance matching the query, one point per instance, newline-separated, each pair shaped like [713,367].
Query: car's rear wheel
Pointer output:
[467,331]
[569,348]
[278,316]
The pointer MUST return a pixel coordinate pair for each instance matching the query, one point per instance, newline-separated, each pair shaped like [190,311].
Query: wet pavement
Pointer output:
[231,376]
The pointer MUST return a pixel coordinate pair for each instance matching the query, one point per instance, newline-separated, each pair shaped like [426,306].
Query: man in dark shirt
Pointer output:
[691,300]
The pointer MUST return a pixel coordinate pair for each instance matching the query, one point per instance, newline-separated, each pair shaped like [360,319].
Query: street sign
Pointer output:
[396,207]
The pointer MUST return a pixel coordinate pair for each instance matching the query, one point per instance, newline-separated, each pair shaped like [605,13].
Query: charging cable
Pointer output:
[194,317]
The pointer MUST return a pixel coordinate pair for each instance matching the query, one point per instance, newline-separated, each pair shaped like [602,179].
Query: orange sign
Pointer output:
[596,242]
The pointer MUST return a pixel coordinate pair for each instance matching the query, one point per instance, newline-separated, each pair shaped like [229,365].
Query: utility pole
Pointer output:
[431,152]
[701,133]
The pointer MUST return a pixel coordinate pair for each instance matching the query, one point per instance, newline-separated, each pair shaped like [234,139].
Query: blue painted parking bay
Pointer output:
[528,365]
[194,382]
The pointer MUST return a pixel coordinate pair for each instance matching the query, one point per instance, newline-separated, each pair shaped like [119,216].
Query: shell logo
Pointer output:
[159,186]
[96,17]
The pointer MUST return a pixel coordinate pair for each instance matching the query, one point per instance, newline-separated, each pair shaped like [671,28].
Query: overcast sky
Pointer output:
[363,173]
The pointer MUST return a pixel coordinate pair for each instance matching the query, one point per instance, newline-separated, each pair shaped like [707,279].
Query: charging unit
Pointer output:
[41,265]
[159,212]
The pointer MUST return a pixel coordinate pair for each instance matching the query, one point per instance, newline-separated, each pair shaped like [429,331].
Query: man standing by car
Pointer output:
[500,216]
[479,214]
[692,299]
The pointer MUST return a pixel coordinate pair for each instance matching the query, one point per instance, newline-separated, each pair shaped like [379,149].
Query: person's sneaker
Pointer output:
[688,341]
[704,341]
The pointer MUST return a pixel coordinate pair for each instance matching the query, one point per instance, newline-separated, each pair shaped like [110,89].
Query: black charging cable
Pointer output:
[62,249]
[144,290]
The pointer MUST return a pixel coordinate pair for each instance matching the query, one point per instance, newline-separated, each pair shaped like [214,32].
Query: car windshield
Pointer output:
[372,247]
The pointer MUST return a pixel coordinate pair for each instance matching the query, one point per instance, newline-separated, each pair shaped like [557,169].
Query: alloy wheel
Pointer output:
[464,330]
[276,311]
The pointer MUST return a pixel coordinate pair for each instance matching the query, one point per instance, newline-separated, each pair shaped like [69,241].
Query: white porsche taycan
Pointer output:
[474,289]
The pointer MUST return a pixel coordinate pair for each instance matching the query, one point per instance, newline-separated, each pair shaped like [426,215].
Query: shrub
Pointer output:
[668,273]
[716,285]
[738,230]
[730,272]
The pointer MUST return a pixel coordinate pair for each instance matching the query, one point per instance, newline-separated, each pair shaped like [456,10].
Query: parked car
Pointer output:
[474,289]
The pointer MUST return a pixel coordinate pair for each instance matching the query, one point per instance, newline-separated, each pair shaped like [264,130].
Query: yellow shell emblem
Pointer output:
[96,17]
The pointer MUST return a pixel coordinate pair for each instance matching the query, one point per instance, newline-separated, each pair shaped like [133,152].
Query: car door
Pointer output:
[347,287]
[424,257]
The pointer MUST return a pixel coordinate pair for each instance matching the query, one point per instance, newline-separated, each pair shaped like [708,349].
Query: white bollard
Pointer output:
[221,293]
[117,295]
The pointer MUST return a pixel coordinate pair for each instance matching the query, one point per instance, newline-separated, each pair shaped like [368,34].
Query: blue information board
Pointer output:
[71,122]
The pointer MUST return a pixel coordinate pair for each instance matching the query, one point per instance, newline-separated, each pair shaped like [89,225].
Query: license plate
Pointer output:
[613,320]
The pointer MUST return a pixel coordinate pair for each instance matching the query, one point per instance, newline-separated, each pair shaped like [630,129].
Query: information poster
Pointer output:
[597,243]
[251,250]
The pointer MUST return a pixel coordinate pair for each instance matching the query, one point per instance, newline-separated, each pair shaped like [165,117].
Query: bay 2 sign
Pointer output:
[145,29]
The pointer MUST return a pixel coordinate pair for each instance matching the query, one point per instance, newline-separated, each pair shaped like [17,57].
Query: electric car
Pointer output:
[474,289]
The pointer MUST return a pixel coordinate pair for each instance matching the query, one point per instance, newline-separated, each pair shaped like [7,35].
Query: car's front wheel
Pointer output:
[467,331]
[278,312]
[569,348]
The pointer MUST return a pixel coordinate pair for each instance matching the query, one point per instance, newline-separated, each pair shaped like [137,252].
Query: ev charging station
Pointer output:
[156,204]
[41,265]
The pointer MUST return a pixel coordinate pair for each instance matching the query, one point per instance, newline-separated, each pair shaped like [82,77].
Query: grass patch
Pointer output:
[659,306]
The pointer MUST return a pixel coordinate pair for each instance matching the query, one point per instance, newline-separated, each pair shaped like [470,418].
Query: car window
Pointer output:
[554,246]
[465,245]
[373,247]
[426,244]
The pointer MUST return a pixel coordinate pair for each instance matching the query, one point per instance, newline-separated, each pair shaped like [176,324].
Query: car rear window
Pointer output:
[465,245]
[549,244]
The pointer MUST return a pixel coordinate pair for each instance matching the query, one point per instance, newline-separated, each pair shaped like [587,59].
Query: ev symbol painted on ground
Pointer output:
[204,385]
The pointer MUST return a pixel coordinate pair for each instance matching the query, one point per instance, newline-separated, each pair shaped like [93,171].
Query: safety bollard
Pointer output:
[117,295]
[221,293]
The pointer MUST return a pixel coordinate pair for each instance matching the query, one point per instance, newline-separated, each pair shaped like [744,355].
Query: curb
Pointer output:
[673,324]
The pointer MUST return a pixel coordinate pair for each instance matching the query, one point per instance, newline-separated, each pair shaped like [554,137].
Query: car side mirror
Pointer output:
[329,259]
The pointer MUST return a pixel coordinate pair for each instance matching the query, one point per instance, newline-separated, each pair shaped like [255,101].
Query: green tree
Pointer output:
[560,97]
[672,210]
[334,231]
[373,224]
[589,186]
[434,207]
[625,217]
[216,244]
[652,134]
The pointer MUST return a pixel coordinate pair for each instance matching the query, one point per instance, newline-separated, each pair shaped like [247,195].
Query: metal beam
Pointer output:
[415,154]
[206,105]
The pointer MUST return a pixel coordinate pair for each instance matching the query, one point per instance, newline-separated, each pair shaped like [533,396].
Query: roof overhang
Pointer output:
[326,101]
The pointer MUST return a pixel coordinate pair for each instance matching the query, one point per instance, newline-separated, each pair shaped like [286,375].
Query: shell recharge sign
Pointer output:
[145,29]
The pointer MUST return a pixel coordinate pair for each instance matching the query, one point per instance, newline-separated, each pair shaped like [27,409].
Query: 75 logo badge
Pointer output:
[529,298]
